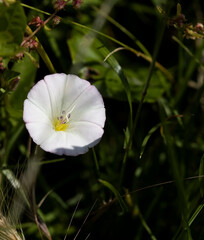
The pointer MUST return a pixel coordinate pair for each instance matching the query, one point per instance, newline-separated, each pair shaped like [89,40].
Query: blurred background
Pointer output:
[142,180]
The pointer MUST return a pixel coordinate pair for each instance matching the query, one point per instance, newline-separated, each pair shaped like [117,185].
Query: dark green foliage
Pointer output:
[12,29]
[144,180]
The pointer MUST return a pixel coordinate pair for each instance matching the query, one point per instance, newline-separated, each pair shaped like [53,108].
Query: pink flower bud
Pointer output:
[31,44]
[60,4]
[13,84]
[1,65]
[76,3]
[37,21]
[56,20]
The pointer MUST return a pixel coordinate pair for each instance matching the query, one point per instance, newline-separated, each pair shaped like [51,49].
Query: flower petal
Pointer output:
[33,113]
[39,131]
[39,96]
[76,140]
[89,107]
[64,90]
[46,102]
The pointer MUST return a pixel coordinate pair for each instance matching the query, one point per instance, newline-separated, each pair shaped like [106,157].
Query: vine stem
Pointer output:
[38,29]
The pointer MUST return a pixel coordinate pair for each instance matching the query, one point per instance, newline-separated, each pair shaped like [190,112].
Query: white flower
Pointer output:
[64,114]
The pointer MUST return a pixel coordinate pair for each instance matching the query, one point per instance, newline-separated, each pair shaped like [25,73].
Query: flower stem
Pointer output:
[96,163]
[42,52]
[35,9]
[38,29]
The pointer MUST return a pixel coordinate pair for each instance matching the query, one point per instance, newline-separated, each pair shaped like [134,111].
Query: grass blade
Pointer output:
[195,214]
[116,193]
[124,30]
[145,225]
[169,140]
[42,52]
[118,69]
[137,53]
[146,139]
[201,172]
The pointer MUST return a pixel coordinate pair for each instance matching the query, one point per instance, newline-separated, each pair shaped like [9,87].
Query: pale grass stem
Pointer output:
[85,221]
[7,231]
[114,51]
[70,222]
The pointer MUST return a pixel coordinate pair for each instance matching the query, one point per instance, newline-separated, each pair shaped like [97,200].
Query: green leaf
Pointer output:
[5,36]
[146,139]
[5,61]
[27,77]
[10,75]
[15,113]
[12,28]
[117,68]
[137,53]
[112,87]
[16,21]
[81,49]
[9,49]
[13,141]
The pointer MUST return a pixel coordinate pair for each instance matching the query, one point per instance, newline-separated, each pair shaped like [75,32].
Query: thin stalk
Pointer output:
[35,9]
[173,161]
[96,163]
[180,59]
[38,29]
[197,60]
[52,161]
[71,220]
[42,52]
[187,75]
[146,56]
[124,30]
[136,120]
[137,53]
[12,143]
[145,225]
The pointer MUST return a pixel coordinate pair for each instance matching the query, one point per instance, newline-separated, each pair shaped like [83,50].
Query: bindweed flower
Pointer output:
[64,114]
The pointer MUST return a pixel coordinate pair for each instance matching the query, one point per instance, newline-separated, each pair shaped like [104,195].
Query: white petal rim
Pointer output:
[49,98]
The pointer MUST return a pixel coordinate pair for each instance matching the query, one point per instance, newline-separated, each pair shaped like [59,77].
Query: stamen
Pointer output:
[61,123]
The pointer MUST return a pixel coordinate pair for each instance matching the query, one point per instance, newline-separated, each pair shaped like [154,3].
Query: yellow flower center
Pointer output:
[61,123]
[59,126]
